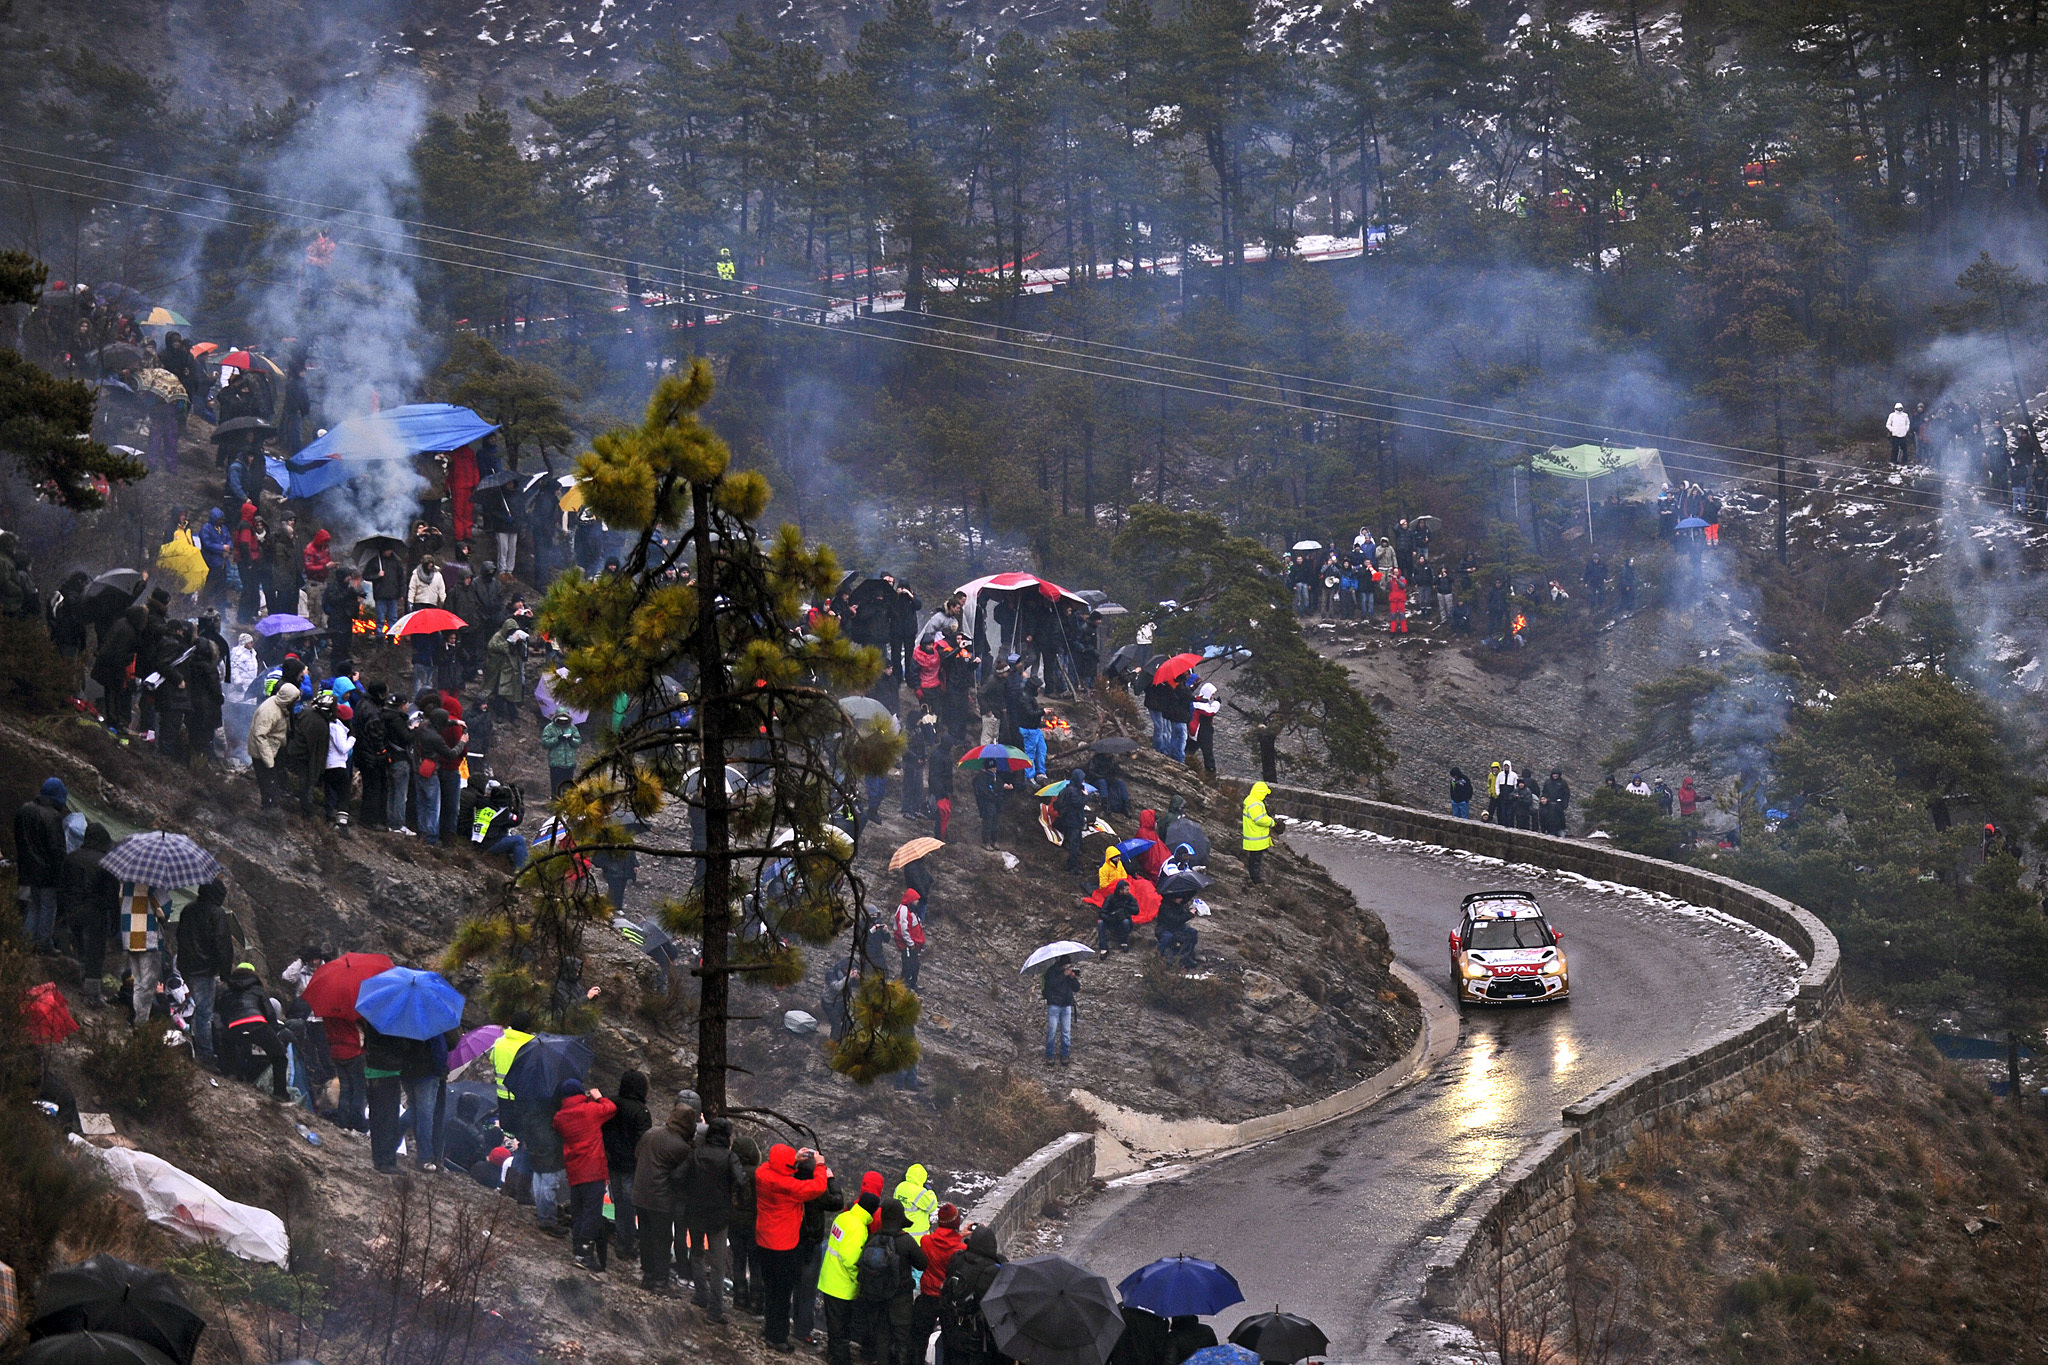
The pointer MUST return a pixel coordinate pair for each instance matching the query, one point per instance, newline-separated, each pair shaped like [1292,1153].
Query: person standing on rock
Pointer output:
[580,1120]
[1461,793]
[1062,988]
[657,1200]
[1258,830]
[622,1133]
[783,1184]
[39,850]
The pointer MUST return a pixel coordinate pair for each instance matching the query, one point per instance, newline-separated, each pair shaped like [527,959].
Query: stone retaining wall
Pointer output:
[1061,1170]
[1503,1263]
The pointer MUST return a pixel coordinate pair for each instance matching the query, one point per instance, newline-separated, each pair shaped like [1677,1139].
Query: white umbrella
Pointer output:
[1308,545]
[1066,947]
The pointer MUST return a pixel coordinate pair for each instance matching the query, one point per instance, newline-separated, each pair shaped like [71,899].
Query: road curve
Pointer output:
[1330,1222]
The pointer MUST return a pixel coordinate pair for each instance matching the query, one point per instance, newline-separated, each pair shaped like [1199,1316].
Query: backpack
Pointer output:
[881,1268]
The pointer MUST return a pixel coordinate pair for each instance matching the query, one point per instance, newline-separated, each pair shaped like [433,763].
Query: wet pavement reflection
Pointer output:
[1331,1222]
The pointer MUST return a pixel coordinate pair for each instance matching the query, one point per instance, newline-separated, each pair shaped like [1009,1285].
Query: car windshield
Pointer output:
[1495,934]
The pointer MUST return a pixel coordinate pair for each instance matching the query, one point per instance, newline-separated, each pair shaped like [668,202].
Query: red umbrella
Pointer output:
[426,621]
[331,993]
[239,359]
[1174,667]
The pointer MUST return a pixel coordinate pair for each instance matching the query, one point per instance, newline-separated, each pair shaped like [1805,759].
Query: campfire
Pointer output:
[1521,622]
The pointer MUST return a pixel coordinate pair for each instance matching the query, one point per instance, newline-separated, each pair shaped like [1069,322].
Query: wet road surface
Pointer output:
[1330,1223]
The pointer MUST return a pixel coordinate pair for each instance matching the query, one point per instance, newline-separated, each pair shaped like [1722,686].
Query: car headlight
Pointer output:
[1554,967]
[1474,972]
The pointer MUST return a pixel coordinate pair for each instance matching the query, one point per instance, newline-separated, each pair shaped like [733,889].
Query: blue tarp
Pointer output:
[398,434]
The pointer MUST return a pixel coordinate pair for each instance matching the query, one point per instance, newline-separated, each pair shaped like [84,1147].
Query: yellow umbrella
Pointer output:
[912,851]
[572,500]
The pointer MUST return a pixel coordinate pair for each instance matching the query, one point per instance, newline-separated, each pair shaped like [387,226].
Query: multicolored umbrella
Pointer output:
[1055,788]
[162,860]
[161,316]
[1016,760]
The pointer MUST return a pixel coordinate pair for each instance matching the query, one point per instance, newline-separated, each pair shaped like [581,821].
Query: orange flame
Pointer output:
[1520,622]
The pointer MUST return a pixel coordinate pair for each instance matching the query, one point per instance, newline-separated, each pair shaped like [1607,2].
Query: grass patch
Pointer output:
[1205,997]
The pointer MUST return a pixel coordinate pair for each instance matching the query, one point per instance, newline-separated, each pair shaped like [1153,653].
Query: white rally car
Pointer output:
[1502,950]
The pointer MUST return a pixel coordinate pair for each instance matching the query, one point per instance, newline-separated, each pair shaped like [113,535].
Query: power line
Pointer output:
[1560,427]
[1725,468]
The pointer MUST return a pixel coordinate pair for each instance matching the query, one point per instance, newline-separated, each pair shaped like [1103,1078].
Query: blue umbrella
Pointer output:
[1223,1355]
[1180,1285]
[543,1064]
[1132,848]
[283,623]
[409,1004]
[1692,524]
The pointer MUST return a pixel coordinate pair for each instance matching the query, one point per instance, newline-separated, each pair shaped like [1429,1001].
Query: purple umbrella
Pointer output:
[549,704]
[474,1044]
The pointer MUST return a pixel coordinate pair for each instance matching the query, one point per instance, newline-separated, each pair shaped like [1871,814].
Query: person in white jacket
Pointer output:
[426,588]
[334,779]
[1898,424]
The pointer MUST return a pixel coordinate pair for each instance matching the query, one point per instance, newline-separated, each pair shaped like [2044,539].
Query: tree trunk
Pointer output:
[716,983]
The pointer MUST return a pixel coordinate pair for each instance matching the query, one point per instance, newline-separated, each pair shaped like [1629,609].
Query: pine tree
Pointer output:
[699,649]
[45,422]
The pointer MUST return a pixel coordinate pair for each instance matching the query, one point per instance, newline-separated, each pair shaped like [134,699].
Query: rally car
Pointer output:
[1502,950]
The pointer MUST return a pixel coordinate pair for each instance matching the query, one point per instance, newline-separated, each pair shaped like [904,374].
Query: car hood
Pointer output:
[1509,957]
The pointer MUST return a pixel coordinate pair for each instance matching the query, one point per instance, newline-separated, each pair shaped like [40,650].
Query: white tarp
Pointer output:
[190,1206]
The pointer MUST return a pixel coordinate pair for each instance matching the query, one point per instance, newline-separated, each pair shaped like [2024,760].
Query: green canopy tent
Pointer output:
[1622,472]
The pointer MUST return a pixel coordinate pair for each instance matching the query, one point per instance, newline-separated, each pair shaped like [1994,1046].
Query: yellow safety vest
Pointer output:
[502,1052]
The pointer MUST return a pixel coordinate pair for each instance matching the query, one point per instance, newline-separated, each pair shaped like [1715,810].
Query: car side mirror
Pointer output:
[1557,935]
[1456,942]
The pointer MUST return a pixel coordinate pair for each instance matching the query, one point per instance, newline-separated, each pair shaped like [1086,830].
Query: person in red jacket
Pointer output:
[345,1045]
[939,1246]
[580,1121]
[1397,607]
[317,559]
[1152,859]
[779,1197]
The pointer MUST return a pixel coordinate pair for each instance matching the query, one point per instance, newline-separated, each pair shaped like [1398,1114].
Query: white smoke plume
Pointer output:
[359,317]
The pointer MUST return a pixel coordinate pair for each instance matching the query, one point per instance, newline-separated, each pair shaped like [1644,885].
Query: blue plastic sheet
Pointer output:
[400,433]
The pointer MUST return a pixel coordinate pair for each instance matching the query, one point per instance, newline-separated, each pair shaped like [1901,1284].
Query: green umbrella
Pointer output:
[1587,463]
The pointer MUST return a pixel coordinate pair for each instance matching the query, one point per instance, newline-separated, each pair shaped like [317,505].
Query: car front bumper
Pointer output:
[1514,990]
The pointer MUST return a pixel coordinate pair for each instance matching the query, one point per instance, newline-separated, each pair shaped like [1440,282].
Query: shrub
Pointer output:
[40,1192]
[1207,996]
[137,1074]
[34,677]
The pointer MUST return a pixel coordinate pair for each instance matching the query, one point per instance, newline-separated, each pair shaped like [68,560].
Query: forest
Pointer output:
[969,290]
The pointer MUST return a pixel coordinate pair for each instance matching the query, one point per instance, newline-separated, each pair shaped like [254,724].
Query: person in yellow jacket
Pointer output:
[517,1035]
[920,1204]
[1112,869]
[839,1276]
[1258,829]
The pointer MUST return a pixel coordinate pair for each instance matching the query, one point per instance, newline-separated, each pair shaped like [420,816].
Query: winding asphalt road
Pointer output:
[1331,1222]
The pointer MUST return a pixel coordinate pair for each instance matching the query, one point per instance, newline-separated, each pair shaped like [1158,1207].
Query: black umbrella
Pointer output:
[121,355]
[497,480]
[92,1348]
[1125,659]
[376,545]
[107,1294]
[237,426]
[126,583]
[1049,1311]
[1282,1337]
[1183,884]
[543,1064]
[1115,744]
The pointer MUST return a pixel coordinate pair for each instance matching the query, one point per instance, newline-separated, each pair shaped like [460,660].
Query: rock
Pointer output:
[1977,1227]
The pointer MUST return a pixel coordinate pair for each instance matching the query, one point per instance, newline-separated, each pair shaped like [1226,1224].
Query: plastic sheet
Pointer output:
[188,1205]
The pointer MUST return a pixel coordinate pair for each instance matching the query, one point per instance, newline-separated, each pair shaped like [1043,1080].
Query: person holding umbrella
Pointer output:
[1062,987]
[990,791]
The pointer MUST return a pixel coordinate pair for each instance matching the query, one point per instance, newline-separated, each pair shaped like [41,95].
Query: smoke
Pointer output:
[358,318]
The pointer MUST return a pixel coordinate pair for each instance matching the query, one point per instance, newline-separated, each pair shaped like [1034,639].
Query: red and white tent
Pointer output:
[1009,584]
